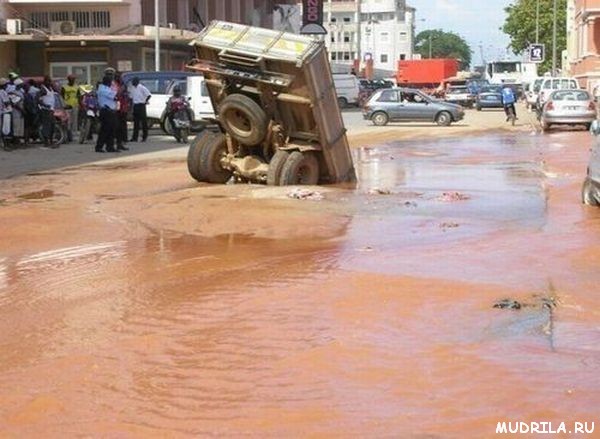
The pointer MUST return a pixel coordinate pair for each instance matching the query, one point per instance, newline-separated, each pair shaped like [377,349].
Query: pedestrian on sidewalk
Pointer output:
[47,104]
[107,101]
[70,93]
[32,110]
[140,95]
[123,104]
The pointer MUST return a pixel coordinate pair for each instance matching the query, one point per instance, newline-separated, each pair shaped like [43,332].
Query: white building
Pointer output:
[382,30]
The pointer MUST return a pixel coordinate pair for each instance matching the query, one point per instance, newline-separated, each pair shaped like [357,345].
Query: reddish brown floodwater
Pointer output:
[134,303]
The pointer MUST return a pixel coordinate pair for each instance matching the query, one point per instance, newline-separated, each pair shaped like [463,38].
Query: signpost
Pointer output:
[537,53]
[312,17]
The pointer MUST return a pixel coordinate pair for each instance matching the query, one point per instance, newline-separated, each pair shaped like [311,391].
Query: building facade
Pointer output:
[381,30]
[583,42]
[84,37]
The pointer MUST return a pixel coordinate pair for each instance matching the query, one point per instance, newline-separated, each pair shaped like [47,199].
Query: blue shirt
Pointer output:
[106,97]
[508,97]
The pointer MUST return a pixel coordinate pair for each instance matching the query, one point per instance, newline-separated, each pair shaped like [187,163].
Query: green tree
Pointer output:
[520,27]
[443,45]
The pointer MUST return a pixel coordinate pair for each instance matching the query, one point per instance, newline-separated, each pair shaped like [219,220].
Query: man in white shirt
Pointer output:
[140,96]
[47,99]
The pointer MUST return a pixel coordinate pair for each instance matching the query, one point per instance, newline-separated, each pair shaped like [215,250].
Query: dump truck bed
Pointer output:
[295,70]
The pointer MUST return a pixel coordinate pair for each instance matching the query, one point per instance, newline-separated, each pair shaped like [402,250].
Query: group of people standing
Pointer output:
[24,106]
[114,101]
[27,106]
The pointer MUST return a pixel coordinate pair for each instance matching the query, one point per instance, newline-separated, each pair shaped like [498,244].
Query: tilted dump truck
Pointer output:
[275,105]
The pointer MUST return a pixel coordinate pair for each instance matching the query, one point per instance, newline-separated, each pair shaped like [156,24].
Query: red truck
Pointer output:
[425,73]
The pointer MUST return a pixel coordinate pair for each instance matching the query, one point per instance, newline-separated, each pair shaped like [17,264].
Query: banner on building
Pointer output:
[287,18]
[312,17]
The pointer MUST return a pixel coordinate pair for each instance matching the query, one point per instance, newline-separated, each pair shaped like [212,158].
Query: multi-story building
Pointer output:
[381,30]
[583,41]
[84,37]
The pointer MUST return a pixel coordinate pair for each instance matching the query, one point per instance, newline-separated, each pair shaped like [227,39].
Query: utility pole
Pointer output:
[537,21]
[156,37]
[554,40]
[429,44]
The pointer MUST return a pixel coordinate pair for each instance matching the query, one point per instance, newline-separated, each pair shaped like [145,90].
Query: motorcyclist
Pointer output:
[508,101]
[175,102]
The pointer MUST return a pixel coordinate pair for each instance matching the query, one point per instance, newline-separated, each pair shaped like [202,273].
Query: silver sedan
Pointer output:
[568,107]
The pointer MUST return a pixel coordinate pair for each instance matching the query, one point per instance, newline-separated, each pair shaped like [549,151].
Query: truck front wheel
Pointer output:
[211,169]
[195,153]
[300,168]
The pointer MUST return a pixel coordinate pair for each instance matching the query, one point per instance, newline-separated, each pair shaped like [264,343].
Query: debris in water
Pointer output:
[448,225]
[379,191]
[410,204]
[305,194]
[38,195]
[450,197]
[508,304]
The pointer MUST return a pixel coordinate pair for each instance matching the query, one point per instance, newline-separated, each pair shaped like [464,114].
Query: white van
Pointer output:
[347,89]
[194,87]
[550,84]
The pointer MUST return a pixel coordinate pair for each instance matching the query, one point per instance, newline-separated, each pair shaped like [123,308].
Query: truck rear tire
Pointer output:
[195,154]
[275,167]
[210,167]
[342,102]
[243,119]
[300,168]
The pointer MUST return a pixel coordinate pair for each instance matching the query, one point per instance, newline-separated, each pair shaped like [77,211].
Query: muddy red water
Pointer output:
[136,303]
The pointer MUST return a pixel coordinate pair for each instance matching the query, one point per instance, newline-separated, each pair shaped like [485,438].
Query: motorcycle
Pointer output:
[91,117]
[180,117]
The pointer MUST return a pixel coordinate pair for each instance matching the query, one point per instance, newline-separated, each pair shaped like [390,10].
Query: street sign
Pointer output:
[312,17]
[537,53]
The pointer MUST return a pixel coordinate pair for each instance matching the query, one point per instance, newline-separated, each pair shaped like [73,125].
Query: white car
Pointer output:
[550,84]
[590,192]
[347,88]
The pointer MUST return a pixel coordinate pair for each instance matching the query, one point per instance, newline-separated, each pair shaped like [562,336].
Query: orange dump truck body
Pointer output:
[424,72]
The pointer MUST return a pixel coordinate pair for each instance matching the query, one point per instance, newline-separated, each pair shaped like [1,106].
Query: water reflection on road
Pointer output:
[379,320]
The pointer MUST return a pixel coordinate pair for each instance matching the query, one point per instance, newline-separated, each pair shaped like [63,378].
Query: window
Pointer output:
[388,96]
[333,20]
[384,37]
[346,56]
[403,36]
[346,19]
[333,37]
[346,37]
[402,56]
[383,58]
[82,19]
[334,56]
[413,98]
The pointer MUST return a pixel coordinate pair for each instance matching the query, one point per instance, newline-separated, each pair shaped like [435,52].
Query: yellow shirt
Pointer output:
[71,95]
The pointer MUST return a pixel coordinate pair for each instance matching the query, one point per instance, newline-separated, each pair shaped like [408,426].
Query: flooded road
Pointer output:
[137,303]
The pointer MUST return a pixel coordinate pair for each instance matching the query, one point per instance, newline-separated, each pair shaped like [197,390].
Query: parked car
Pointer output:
[568,107]
[590,192]
[405,104]
[550,84]
[489,97]
[194,87]
[460,95]
[157,83]
[347,89]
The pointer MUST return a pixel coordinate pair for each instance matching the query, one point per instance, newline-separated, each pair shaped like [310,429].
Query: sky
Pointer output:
[477,21]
